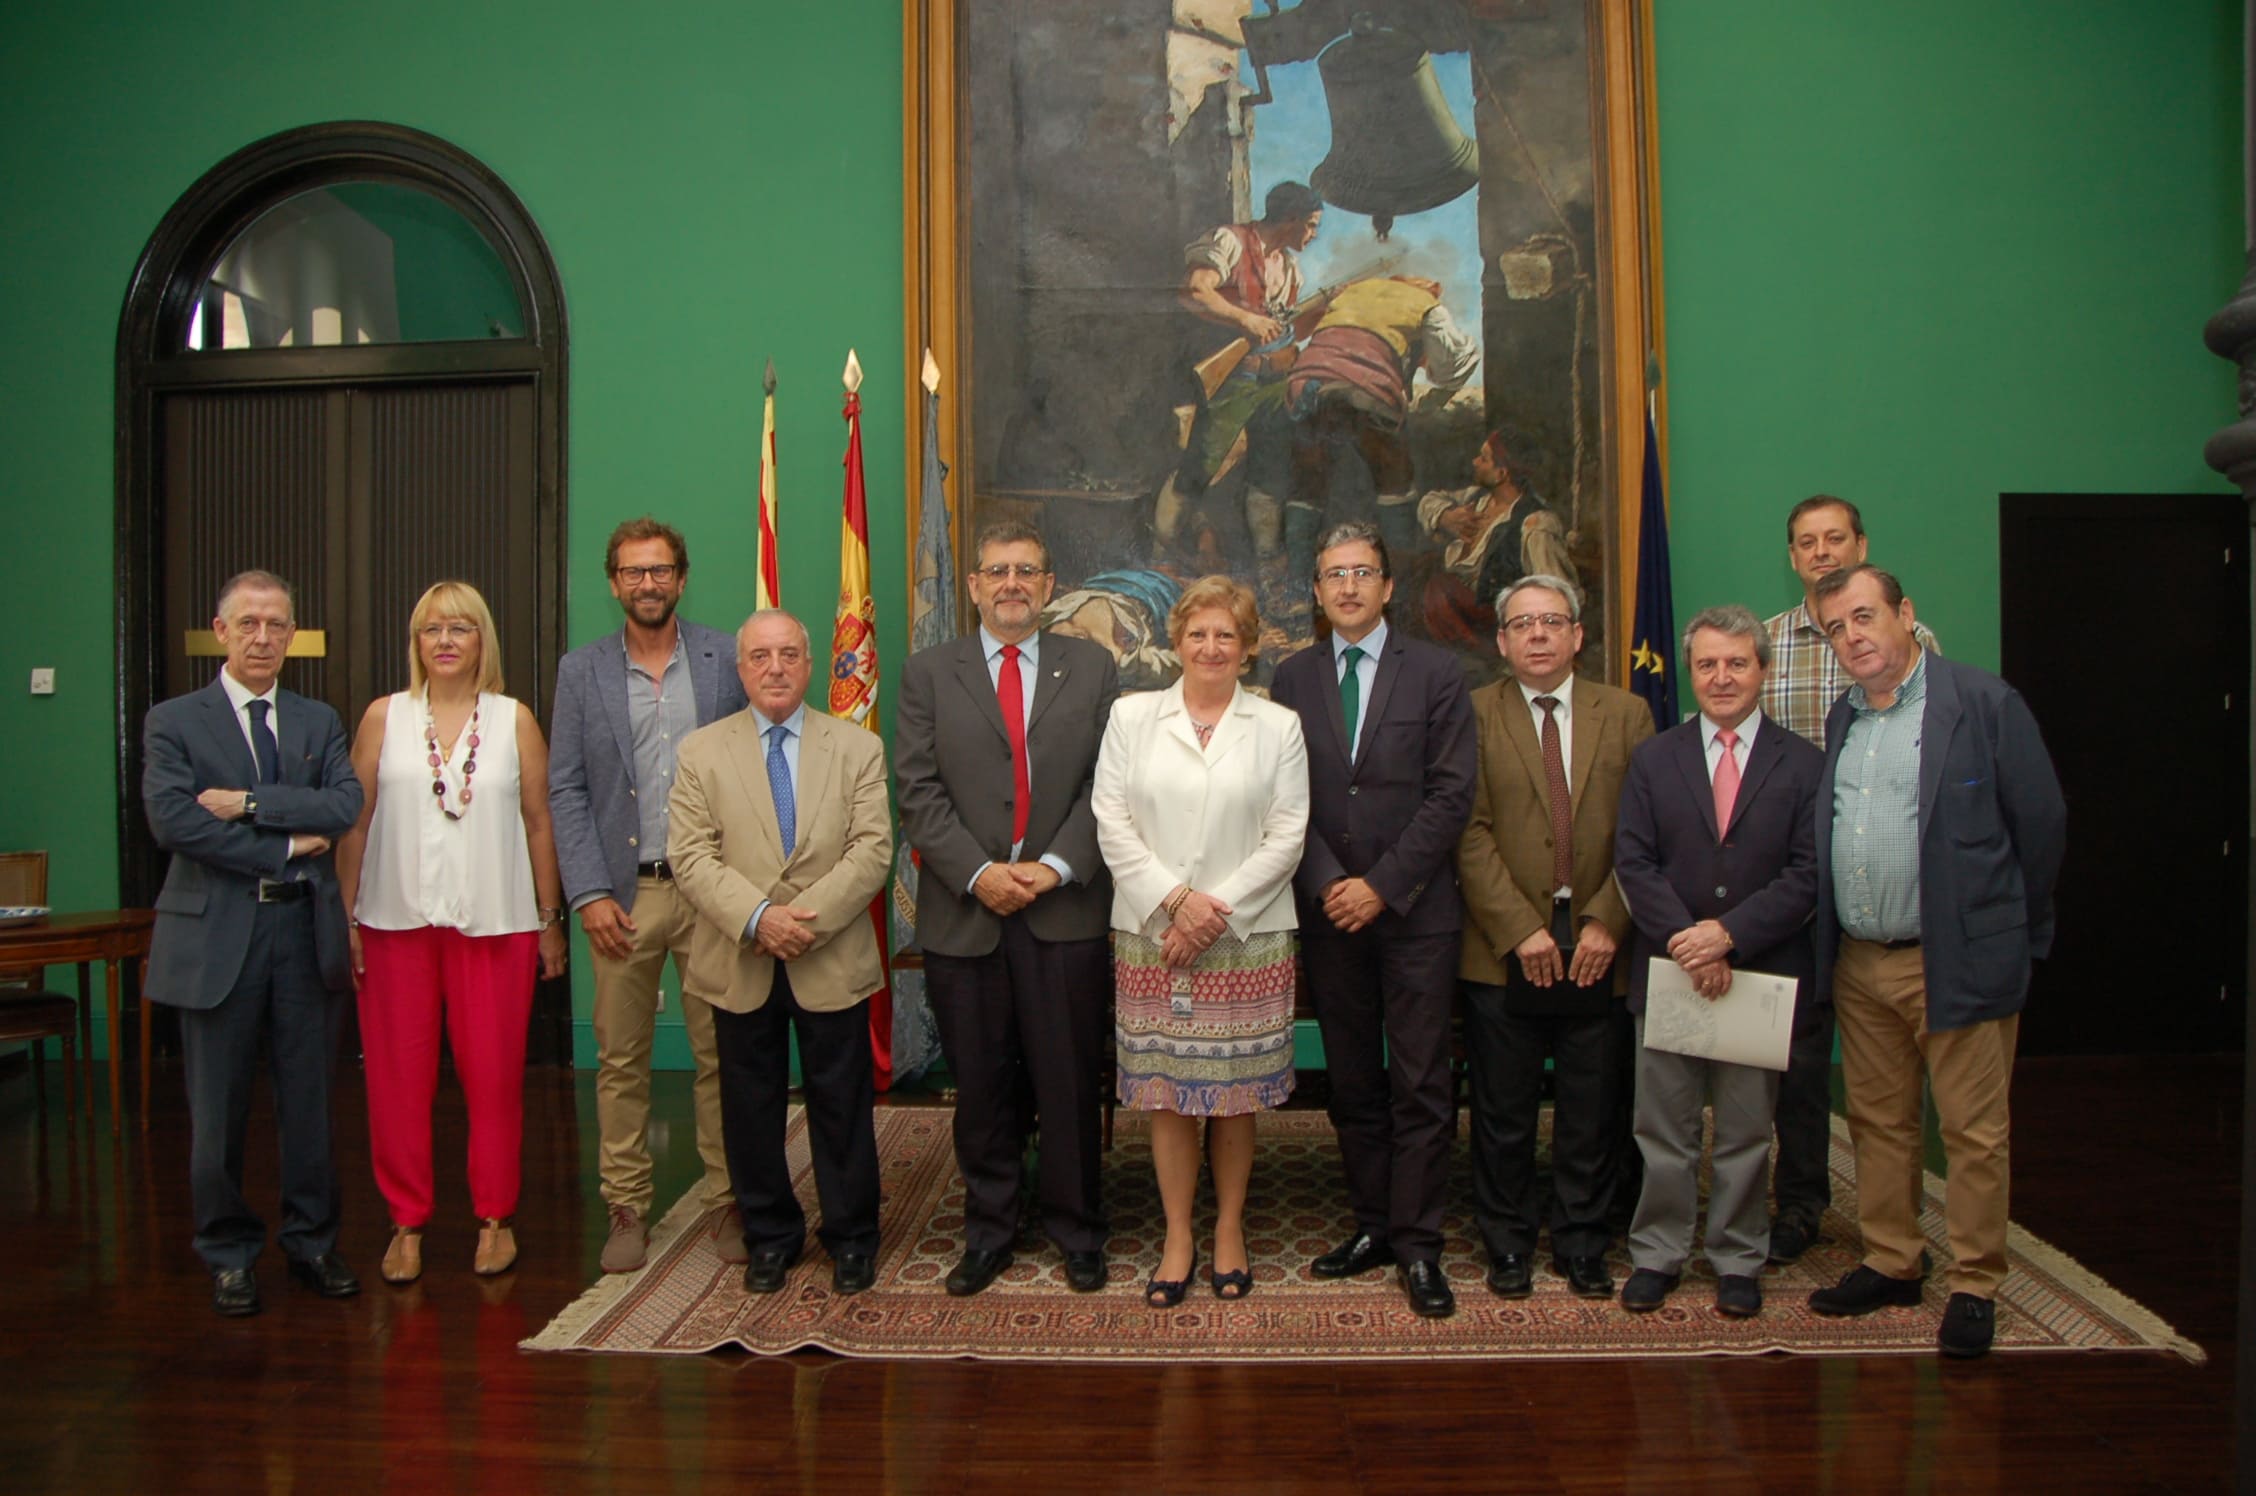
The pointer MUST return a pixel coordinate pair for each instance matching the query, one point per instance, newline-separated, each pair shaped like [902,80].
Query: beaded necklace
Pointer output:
[438,760]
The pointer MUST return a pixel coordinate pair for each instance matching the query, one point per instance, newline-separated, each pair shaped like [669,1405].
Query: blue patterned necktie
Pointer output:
[779,785]
[263,745]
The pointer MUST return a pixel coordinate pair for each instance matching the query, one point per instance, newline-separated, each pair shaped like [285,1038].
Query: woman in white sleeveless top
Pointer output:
[455,897]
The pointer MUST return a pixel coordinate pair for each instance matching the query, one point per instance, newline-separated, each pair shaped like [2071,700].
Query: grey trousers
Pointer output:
[1671,1089]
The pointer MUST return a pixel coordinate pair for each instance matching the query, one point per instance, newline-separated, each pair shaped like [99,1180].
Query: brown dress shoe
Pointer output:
[628,1245]
[403,1259]
[497,1249]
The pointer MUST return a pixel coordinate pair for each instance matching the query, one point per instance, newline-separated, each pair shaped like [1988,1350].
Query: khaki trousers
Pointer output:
[626,1013]
[1880,996]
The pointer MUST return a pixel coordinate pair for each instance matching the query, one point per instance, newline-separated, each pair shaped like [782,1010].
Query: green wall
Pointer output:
[1922,253]
[1915,254]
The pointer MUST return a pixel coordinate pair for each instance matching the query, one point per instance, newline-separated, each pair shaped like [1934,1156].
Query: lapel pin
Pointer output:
[1058,674]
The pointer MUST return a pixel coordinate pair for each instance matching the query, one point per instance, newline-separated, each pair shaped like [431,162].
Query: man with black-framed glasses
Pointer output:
[623,705]
[995,745]
[1389,730]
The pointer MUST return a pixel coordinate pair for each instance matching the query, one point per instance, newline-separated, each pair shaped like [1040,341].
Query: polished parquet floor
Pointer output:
[116,1377]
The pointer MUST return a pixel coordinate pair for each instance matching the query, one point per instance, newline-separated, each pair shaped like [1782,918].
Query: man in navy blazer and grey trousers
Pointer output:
[1716,854]
[1940,829]
[623,705]
[245,784]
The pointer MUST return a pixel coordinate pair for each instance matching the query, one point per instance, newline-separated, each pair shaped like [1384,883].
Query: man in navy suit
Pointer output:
[1940,829]
[1391,767]
[623,705]
[245,784]
[1716,853]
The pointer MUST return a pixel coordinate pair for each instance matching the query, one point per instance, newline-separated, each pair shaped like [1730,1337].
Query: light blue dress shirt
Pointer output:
[1029,671]
[794,728]
[1366,677]
[1876,813]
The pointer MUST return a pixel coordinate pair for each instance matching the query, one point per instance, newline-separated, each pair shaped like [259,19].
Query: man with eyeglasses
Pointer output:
[624,703]
[1545,916]
[995,745]
[246,785]
[1389,731]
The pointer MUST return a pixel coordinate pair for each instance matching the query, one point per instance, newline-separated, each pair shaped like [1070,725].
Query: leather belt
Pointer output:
[271,892]
[1899,945]
[662,870]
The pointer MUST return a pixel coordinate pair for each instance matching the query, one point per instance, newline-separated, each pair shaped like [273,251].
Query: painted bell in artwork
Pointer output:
[1396,148]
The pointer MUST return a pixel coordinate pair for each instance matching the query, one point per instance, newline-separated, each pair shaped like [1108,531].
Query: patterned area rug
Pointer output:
[686,1301]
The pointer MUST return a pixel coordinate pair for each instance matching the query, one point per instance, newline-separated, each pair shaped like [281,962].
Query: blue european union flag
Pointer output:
[1653,636]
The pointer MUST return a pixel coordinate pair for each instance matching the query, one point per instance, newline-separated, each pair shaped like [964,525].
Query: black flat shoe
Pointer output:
[1647,1289]
[234,1292]
[1085,1272]
[1166,1293]
[1969,1324]
[1428,1290]
[851,1272]
[326,1275]
[1359,1253]
[1738,1296]
[768,1269]
[976,1271]
[1790,1237]
[1238,1282]
[1511,1275]
[1861,1291]
[1587,1276]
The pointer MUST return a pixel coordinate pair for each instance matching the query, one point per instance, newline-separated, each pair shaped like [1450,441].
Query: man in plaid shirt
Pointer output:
[1824,534]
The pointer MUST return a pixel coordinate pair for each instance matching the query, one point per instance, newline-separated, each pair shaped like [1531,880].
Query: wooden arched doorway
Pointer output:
[342,359]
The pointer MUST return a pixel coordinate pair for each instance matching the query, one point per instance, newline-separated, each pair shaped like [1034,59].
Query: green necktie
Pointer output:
[1351,693]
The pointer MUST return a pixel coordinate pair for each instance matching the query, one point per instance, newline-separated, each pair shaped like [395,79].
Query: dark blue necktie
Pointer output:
[263,746]
[779,785]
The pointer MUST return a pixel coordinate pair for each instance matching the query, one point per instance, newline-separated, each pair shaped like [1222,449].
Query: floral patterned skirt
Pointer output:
[1214,1039]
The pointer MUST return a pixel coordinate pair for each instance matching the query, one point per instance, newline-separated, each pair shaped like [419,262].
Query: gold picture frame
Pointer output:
[1621,343]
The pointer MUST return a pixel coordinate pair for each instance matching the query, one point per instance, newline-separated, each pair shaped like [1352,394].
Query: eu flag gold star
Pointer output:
[1644,657]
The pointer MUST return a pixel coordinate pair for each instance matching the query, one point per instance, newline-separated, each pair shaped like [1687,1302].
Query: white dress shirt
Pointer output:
[1366,676]
[239,696]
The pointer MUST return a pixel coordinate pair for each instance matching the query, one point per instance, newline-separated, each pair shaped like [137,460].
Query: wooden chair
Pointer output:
[30,1014]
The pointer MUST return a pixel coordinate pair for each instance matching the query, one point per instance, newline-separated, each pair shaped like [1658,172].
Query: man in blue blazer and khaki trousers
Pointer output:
[624,703]
[1940,829]
[244,784]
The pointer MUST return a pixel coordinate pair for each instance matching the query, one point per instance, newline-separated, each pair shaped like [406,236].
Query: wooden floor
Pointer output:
[116,1377]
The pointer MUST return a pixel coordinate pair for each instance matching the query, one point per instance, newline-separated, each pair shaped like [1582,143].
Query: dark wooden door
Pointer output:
[361,497]
[2125,623]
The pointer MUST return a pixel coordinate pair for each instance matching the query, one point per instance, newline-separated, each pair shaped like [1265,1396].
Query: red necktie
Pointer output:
[1011,697]
[1726,781]
[1562,805]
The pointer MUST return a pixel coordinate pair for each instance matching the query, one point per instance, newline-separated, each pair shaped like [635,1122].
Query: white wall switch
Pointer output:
[43,681]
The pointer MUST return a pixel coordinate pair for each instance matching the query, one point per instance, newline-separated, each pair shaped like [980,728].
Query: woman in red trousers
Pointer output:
[456,903]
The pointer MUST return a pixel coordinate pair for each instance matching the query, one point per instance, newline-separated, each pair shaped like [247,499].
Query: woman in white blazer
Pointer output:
[1201,801]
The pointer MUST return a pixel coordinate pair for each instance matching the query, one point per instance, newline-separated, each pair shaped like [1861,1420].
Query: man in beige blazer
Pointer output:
[779,838]
[1543,918]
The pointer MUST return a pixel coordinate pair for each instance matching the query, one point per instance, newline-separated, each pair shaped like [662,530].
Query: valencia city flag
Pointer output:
[1652,637]
[853,671]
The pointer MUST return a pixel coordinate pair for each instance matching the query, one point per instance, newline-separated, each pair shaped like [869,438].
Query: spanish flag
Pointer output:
[853,671]
[770,590]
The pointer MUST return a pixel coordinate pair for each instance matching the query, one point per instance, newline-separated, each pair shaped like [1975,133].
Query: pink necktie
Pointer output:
[1726,780]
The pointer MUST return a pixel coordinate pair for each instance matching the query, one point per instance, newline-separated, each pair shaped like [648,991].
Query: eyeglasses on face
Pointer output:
[1025,571]
[448,632]
[1520,623]
[633,575]
[1334,575]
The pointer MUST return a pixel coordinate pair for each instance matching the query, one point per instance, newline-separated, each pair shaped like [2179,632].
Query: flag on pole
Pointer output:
[770,592]
[1653,635]
[932,619]
[853,672]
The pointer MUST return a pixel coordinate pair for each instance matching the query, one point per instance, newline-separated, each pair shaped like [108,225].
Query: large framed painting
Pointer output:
[1204,278]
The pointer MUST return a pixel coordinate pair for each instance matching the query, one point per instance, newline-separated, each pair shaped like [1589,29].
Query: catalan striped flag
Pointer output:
[770,590]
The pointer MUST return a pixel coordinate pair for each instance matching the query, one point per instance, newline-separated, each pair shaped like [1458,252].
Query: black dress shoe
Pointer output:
[1511,1275]
[1790,1237]
[1428,1290]
[234,1292]
[1359,1253]
[768,1269]
[1969,1324]
[1587,1276]
[976,1271]
[1085,1271]
[1738,1296]
[1647,1289]
[325,1275]
[1861,1290]
[851,1272]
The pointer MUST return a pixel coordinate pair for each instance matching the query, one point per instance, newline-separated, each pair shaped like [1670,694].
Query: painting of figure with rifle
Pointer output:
[1240,270]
